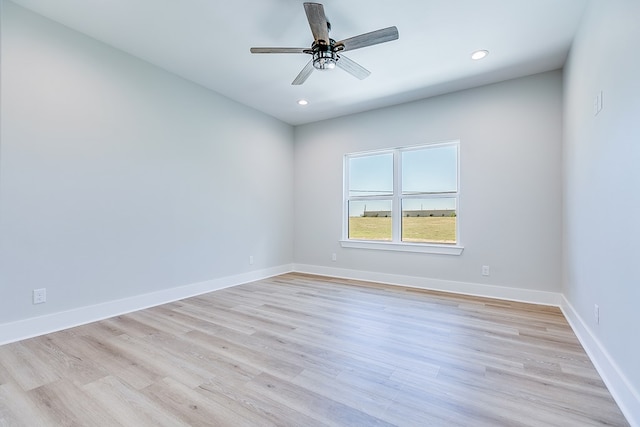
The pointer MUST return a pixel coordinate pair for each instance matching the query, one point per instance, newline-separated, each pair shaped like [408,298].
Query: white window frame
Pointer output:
[396,200]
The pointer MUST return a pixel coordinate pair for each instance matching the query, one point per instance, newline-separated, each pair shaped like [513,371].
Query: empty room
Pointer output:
[284,213]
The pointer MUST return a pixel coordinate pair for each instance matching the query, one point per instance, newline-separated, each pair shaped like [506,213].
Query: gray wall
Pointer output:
[601,171]
[510,178]
[119,179]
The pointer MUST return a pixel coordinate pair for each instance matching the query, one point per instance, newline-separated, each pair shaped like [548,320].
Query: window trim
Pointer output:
[426,248]
[397,244]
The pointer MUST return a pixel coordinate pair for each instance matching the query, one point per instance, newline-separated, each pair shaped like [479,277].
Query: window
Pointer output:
[403,199]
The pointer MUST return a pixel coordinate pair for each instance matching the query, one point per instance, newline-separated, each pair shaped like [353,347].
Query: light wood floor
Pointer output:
[299,350]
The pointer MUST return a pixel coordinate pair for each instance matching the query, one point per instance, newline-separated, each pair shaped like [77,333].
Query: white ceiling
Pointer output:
[208,41]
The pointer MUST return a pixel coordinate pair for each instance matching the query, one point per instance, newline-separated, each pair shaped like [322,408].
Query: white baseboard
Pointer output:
[28,328]
[466,288]
[625,394]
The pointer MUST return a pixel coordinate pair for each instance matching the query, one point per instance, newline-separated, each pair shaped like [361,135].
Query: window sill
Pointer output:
[441,249]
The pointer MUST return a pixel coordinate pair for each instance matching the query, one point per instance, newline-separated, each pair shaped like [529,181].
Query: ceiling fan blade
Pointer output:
[369,39]
[317,22]
[304,74]
[352,67]
[278,50]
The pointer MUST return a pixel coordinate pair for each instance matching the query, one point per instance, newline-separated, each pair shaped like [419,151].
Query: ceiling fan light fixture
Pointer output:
[324,60]
[479,54]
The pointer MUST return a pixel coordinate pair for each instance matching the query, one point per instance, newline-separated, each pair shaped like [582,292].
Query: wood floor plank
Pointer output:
[269,410]
[61,402]
[298,350]
[129,406]
[192,407]
[312,404]
[27,369]
[18,409]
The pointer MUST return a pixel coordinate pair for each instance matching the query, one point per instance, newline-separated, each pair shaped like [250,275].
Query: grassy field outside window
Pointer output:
[414,229]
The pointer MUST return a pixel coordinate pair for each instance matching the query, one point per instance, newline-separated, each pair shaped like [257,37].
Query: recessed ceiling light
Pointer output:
[303,102]
[479,54]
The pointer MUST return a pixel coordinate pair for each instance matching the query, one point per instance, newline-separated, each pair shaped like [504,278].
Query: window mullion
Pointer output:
[396,213]
[345,199]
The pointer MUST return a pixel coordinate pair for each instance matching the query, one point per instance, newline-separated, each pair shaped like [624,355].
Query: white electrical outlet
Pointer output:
[334,257]
[39,296]
[596,313]
[251,259]
[485,270]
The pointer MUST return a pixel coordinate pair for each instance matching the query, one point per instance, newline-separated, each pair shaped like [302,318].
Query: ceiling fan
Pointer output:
[325,52]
